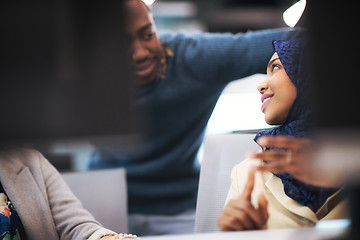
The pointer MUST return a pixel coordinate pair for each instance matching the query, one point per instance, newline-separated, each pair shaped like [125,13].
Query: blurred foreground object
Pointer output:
[337,128]
[63,70]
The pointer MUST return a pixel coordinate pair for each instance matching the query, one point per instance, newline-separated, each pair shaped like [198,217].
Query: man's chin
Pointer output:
[143,81]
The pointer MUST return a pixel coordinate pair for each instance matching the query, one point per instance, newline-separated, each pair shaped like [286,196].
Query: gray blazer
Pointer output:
[45,204]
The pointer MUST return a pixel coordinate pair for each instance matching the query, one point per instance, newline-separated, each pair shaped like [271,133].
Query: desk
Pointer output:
[316,233]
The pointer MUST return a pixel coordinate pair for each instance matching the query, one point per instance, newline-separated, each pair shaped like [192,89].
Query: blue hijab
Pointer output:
[292,56]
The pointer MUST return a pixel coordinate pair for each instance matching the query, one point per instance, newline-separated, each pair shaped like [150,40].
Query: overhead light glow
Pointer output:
[293,14]
[148,2]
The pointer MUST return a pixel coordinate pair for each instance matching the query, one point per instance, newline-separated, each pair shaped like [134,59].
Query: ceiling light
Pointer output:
[293,14]
[148,2]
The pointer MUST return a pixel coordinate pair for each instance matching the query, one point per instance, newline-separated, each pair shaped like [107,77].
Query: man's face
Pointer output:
[145,46]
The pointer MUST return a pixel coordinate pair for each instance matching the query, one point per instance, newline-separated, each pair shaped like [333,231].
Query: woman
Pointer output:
[35,202]
[275,197]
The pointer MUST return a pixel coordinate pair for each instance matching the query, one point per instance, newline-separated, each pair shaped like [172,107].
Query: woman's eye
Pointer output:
[275,67]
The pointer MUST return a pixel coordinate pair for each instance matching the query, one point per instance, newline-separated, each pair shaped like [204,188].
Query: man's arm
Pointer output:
[223,57]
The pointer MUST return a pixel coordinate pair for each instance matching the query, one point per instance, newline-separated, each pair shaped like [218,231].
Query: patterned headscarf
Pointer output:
[292,56]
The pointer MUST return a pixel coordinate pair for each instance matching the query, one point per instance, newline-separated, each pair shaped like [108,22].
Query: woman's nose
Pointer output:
[263,86]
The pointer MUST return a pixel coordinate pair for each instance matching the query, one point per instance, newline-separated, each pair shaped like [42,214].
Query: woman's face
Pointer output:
[278,93]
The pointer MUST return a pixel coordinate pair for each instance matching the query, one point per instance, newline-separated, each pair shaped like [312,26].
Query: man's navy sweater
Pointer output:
[162,170]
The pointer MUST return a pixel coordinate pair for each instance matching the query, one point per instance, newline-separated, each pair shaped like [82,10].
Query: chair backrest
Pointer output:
[104,194]
[221,153]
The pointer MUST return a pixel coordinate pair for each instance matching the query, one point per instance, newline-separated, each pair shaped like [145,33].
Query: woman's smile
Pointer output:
[265,99]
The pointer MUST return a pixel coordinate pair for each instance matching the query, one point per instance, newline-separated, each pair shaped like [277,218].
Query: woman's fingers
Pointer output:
[251,217]
[276,161]
[263,208]
[110,237]
[269,157]
[276,169]
[296,156]
[249,186]
[240,214]
[235,217]
[284,142]
[229,224]
[256,217]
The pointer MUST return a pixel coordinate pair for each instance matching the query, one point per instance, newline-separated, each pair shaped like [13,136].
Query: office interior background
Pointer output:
[239,99]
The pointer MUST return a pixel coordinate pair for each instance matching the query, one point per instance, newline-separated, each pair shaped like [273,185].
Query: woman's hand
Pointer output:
[294,156]
[110,237]
[119,236]
[240,214]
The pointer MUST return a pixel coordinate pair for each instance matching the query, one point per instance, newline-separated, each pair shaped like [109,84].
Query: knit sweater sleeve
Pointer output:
[223,57]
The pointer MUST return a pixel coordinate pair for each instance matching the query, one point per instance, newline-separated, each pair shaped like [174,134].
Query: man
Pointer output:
[180,79]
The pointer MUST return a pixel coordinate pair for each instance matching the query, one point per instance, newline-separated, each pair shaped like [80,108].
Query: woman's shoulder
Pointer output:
[244,166]
[21,156]
[239,174]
